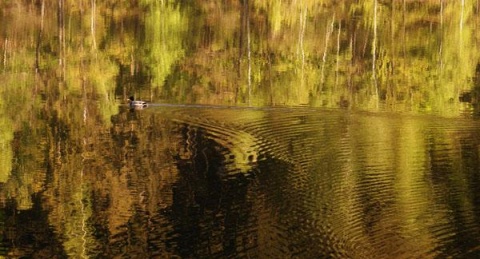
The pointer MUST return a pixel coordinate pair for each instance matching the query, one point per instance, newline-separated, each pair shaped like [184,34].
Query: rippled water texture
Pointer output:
[209,182]
[275,129]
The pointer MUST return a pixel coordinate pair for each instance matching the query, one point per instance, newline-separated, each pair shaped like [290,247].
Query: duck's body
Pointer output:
[136,104]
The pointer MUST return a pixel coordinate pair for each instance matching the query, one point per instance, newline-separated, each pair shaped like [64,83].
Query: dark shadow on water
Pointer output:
[210,214]
[27,233]
[217,215]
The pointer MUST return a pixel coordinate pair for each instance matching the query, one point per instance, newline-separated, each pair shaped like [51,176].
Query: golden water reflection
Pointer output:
[171,181]
[275,129]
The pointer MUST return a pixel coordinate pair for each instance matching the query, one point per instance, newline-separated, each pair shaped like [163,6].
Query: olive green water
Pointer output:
[275,129]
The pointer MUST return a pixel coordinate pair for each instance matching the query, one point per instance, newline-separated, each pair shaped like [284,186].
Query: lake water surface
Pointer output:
[275,129]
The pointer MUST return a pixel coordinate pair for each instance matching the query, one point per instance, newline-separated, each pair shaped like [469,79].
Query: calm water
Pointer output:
[276,129]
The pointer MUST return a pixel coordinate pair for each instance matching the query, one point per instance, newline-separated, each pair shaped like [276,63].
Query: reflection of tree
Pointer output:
[165,26]
[284,59]
[57,115]
[252,53]
[101,170]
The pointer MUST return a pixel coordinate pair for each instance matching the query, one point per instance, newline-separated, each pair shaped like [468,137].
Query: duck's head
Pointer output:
[131,99]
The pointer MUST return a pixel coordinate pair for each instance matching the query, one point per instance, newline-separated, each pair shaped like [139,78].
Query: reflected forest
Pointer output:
[82,176]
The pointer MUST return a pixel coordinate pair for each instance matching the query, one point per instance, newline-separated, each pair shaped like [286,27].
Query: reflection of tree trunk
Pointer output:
[404,48]
[461,16]
[249,58]
[61,37]
[337,65]
[460,33]
[374,43]
[440,51]
[390,96]
[244,28]
[5,45]
[93,24]
[301,50]
[374,50]
[328,32]
[441,12]
[244,39]
[37,47]
[85,217]
[39,38]
[350,68]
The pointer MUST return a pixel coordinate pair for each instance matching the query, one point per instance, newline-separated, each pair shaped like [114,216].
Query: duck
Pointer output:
[136,104]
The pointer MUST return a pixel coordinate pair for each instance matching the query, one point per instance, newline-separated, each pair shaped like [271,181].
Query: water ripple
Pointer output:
[317,183]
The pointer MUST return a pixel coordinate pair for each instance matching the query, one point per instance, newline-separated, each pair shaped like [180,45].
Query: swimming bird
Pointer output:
[136,104]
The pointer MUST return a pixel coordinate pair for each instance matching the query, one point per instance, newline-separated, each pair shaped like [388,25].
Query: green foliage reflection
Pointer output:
[64,66]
